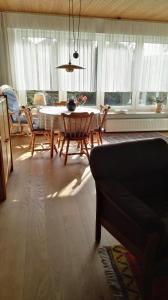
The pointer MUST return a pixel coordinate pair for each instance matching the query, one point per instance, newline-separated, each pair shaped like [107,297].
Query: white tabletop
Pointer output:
[58,110]
[50,116]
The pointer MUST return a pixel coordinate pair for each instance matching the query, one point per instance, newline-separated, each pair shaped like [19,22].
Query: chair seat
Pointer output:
[39,129]
[75,135]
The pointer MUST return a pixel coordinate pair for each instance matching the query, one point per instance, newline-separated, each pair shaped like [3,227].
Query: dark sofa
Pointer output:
[132,197]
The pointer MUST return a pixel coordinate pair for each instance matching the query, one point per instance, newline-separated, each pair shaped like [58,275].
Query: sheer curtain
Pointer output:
[36,53]
[118,59]
[154,75]
[79,80]
[134,63]
[118,56]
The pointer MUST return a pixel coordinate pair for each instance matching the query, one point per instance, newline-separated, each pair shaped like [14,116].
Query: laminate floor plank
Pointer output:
[47,229]
[13,228]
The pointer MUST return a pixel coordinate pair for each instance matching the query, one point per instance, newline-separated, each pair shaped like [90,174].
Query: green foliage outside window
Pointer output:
[118,98]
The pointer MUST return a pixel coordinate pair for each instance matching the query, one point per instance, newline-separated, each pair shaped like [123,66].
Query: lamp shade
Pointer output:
[69,67]
[39,99]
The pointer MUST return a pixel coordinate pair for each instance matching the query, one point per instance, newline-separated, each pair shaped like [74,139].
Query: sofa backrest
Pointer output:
[129,159]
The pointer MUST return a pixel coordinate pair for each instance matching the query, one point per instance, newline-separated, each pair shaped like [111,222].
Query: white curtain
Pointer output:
[118,57]
[36,53]
[124,56]
[154,76]
[134,63]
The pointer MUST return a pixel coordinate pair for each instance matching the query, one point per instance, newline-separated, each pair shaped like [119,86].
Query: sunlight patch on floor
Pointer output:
[51,196]
[23,156]
[75,186]
[14,200]
[22,146]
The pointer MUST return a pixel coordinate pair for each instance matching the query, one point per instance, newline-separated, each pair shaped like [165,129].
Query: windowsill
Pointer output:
[137,115]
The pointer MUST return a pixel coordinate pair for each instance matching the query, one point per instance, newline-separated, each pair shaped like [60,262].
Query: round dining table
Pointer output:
[50,118]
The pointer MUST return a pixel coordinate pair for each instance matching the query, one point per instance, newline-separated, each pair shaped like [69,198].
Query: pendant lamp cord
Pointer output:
[76,40]
[69,30]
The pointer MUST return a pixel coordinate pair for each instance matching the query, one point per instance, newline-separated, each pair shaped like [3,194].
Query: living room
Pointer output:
[47,222]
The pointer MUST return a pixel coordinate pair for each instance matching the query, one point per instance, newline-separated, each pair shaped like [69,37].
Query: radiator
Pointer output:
[153,124]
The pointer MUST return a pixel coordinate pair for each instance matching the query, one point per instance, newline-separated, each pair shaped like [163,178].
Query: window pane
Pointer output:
[91,97]
[118,98]
[149,98]
[51,96]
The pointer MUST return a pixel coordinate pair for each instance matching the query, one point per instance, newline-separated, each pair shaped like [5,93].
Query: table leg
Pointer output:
[52,143]
[52,137]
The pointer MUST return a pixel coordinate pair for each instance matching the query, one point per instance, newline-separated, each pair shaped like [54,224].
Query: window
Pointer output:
[149,98]
[51,96]
[154,73]
[120,69]
[118,98]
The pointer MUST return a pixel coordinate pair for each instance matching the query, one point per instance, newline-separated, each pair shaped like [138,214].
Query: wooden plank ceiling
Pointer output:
[151,10]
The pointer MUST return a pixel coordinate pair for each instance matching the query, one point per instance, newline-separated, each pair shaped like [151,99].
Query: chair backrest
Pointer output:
[12,99]
[39,99]
[103,115]
[61,103]
[77,125]
[28,116]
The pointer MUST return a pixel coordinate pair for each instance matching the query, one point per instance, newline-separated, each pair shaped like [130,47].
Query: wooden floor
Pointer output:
[47,225]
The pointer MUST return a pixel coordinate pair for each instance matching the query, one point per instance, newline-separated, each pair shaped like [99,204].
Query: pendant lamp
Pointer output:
[70,67]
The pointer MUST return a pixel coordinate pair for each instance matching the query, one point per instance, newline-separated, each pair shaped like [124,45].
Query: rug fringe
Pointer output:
[112,279]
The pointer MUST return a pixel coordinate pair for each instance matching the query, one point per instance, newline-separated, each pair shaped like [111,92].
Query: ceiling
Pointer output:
[151,10]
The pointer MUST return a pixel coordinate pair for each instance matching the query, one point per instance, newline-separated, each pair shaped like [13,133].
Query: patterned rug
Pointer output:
[124,276]
[116,137]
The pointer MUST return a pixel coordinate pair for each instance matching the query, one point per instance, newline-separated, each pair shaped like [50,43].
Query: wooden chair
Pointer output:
[17,121]
[58,133]
[36,131]
[76,128]
[96,134]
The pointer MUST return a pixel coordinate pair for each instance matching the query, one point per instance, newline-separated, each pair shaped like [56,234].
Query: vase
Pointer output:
[71,105]
[158,107]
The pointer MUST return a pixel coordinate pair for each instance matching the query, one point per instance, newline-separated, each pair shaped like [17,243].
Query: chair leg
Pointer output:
[91,139]
[100,138]
[50,141]
[21,129]
[59,139]
[66,153]
[87,152]
[55,148]
[62,146]
[81,148]
[32,144]
[97,138]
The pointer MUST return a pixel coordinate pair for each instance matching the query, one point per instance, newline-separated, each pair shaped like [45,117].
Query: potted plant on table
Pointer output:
[81,100]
